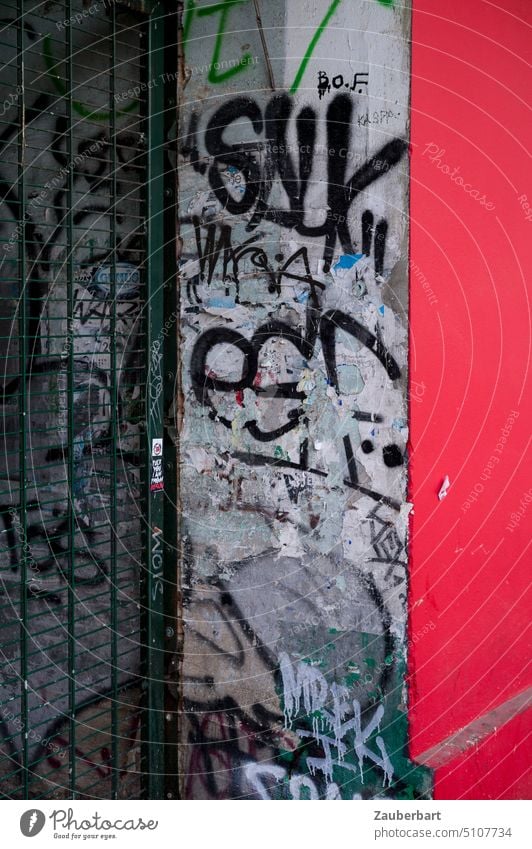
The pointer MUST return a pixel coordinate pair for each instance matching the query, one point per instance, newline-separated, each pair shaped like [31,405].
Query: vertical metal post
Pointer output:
[172,391]
[23,401]
[70,411]
[114,424]
[153,731]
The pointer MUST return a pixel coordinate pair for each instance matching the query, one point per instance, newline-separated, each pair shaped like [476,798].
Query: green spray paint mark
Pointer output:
[224,9]
[310,49]
[84,111]
[238,65]
[187,20]
[317,35]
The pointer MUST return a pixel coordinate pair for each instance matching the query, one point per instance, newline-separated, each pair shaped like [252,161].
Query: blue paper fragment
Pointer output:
[348,261]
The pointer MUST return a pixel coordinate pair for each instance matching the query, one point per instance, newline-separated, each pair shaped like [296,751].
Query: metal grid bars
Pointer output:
[78,258]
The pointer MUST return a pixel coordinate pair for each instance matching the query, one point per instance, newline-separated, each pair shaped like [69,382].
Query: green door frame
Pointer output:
[159,732]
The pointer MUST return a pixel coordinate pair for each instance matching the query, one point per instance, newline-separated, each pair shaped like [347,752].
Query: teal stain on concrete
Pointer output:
[350,380]
[222,302]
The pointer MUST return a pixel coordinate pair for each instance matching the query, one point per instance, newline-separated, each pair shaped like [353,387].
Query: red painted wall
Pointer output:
[494,769]
[471,246]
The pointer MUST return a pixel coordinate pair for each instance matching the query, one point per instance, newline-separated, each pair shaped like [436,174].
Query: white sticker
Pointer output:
[156,448]
[157,480]
[444,487]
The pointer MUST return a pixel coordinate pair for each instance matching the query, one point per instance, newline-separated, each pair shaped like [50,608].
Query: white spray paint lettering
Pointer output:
[156,563]
[305,685]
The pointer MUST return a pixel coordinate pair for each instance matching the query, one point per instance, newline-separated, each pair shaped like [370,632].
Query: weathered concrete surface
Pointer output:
[293,198]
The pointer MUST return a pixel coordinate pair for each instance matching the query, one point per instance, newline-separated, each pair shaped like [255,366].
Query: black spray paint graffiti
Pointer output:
[218,252]
[293,229]
[44,245]
[45,548]
[318,326]
[293,172]
[387,545]
[359,83]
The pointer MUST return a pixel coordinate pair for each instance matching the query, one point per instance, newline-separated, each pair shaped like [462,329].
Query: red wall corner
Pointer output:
[471,251]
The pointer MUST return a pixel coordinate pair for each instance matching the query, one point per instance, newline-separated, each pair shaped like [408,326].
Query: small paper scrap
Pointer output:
[444,487]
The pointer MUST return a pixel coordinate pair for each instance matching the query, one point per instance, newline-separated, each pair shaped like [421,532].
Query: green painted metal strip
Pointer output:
[171,391]
[71,636]
[23,404]
[115,740]
[153,730]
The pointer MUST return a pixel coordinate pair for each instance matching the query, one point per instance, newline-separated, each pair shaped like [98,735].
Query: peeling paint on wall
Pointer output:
[293,219]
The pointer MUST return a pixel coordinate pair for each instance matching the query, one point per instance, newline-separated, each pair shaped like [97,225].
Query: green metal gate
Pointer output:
[82,98]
